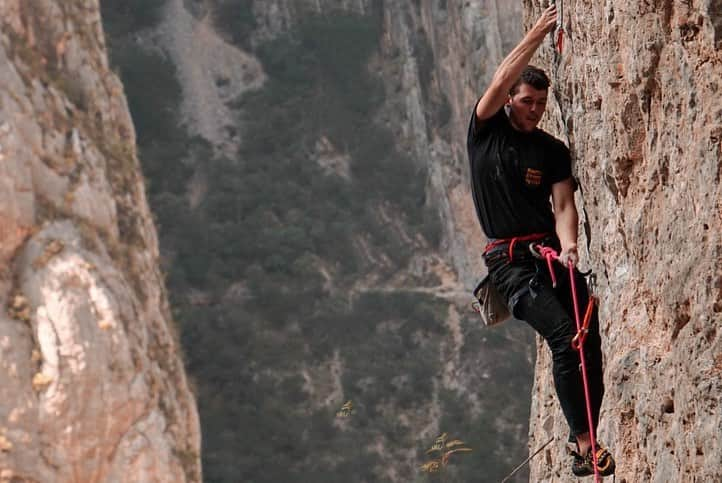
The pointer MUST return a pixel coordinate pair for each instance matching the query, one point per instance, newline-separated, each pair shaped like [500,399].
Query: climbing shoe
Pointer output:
[584,465]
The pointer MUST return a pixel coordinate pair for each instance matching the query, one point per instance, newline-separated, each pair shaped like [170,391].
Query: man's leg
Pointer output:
[541,309]
[592,346]
[550,312]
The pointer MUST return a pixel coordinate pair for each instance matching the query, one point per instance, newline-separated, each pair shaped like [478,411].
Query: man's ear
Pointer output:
[508,100]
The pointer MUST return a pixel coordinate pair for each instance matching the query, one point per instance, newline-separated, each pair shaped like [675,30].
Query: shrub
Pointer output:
[236,20]
[121,17]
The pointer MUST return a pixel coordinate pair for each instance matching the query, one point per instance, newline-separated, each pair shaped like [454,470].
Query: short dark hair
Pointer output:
[534,76]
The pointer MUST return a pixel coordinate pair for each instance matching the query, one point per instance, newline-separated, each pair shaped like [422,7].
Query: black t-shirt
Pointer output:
[512,174]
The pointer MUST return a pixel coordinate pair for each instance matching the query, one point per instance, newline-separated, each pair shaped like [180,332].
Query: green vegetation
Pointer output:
[275,247]
[235,19]
[123,17]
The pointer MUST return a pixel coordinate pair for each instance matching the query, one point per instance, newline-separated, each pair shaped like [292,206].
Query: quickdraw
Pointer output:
[581,336]
[560,39]
[559,43]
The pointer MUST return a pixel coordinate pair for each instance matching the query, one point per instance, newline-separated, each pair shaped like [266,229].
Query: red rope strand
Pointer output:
[550,254]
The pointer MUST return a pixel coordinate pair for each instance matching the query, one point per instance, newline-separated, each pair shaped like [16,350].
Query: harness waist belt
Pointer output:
[512,241]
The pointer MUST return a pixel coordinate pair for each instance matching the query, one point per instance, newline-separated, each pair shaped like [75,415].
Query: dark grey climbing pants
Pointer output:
[526,285]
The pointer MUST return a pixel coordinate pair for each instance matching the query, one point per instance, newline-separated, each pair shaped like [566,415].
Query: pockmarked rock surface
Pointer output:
[92,386]
[636,95]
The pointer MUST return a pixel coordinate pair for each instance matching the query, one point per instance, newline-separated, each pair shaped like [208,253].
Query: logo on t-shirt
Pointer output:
[533,177]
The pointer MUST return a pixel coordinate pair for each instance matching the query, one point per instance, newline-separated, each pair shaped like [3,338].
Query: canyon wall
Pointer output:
[93,387]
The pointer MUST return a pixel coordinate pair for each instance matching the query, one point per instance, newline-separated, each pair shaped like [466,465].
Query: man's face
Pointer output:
[527,107]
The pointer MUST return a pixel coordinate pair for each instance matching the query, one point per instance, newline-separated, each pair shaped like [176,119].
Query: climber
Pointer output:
[515,169]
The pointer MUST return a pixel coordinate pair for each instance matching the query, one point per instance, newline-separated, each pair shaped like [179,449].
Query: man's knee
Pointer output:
[560,338]
[565,361]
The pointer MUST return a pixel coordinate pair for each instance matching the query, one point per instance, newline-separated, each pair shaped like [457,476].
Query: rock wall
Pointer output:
[638,98]
[92,385]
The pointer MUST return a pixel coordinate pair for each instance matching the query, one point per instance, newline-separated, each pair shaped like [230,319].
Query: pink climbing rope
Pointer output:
[550,254]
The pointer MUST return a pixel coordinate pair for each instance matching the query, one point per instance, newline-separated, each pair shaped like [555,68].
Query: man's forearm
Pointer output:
[567,222]
[511,67]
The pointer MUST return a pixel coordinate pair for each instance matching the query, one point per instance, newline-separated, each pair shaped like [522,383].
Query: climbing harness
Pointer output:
[513,241]
[549,255]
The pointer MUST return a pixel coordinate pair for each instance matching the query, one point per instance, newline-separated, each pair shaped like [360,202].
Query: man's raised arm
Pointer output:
[510,68]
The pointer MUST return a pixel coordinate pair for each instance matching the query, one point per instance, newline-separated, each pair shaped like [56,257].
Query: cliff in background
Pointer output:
[433,58]
[306,165]
[638,91]
[91,383]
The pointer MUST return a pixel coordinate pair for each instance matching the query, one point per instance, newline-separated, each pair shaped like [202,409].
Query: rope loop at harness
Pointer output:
[549,254]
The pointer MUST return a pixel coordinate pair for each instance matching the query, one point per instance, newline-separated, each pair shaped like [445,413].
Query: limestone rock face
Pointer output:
[204,61]
[637,96]
[92,385]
